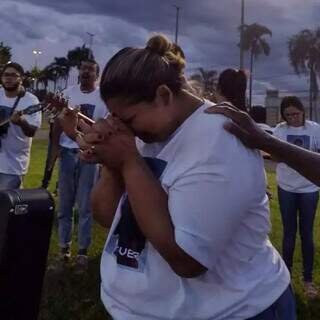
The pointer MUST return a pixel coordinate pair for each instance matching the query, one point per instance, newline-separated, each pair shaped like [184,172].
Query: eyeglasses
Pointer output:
[11,75]
[292,115]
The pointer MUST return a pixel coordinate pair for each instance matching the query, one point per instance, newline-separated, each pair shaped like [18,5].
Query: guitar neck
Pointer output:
[2,123]
[85,118]
[29,110]
[82,116]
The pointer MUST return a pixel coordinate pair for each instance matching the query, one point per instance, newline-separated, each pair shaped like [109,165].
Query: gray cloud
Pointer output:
[208,30]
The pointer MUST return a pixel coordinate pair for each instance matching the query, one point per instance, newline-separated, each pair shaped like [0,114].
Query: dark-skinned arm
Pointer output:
[28,129]
[306,162]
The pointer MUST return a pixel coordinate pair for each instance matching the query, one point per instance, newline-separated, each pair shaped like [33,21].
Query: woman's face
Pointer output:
[293,116]
[150,121]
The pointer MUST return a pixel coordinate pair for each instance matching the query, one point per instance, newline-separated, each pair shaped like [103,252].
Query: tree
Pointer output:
[5,54]
[35,74]
[63,67]
[254,42]
[208,80]
[78,54]
[51,73]
[304,56]
[56,71]
[47,74]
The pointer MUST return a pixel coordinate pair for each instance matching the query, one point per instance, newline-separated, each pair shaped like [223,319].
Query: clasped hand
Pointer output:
[109,142]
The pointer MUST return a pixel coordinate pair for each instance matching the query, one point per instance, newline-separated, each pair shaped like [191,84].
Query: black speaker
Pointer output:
[26,218]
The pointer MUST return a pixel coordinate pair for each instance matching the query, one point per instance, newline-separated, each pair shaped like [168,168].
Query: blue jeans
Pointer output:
[9,181]
[306,204]
[76,179]
[283,309]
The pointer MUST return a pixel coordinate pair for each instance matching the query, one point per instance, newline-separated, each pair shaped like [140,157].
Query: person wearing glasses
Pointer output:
[296,193]
[15,136]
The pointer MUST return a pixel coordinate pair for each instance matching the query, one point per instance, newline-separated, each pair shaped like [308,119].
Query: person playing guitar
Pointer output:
[16,134]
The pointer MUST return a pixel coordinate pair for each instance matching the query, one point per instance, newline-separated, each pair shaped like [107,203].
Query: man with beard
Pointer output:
[15,136]
[76,178]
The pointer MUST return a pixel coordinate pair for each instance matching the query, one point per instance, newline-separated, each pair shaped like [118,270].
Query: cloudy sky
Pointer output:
[207,32]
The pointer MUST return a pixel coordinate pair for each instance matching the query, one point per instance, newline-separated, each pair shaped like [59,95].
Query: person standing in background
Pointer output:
[76,178]
[296,193]
[16,135]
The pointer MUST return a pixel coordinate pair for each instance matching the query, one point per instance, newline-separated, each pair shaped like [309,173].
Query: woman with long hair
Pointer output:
[231,87]
[296,193]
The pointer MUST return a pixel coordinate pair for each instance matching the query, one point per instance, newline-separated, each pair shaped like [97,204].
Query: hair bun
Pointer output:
[159,44]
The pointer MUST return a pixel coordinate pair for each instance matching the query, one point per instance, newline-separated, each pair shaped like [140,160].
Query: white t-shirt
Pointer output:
[15,145]
[265,127]
[90,104]
[219,208]
[308,137]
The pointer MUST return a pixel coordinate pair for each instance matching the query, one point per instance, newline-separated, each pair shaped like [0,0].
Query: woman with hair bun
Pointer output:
[189,220]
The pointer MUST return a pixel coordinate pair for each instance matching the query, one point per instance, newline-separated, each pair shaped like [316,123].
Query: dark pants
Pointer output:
[306,204]
[283,309]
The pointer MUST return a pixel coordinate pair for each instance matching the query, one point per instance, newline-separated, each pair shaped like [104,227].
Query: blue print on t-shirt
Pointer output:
[127,243]
[87,109]
[302,141]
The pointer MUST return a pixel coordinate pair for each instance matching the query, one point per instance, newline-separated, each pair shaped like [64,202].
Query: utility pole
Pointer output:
[91,35]
[177,24]
[241,36]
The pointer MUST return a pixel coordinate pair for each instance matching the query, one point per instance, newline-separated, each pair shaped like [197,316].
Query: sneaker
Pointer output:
[65,254]
[81,263]
[310,290]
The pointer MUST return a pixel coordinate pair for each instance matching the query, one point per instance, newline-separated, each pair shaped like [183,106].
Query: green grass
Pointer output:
[66,295]
[70,296]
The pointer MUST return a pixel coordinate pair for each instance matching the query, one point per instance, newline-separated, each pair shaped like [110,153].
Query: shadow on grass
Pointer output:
[307,309]
[68,295]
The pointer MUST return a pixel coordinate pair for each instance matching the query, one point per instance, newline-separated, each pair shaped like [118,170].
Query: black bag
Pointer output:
[26,218]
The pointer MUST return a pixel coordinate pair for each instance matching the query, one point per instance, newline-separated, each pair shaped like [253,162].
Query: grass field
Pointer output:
[68,296]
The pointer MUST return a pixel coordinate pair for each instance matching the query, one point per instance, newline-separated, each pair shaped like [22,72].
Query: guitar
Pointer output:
[57,103]
[53,105]
[29,110]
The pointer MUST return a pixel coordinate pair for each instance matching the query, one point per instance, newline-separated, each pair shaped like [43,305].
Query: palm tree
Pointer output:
[63,69]
[52,73]
[45,76]
[304,56]
[5,54]
[254,41]
[207,78]
[35,75]
[56,71]
[78,54]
